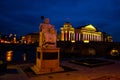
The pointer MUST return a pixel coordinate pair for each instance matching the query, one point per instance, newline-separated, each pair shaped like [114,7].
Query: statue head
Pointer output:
[46,20]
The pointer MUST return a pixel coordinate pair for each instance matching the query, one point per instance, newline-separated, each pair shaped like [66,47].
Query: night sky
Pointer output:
[24,16]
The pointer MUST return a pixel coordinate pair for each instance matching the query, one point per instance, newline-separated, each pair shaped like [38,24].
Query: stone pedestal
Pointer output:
[47,60]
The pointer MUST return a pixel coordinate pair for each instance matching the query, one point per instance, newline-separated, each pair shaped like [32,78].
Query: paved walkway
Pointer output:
[110,71]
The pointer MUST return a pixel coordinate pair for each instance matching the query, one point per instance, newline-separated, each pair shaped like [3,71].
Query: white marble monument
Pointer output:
[47,35]
[47,55]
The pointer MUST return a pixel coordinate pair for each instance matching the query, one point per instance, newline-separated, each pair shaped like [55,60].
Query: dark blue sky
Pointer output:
[23,16]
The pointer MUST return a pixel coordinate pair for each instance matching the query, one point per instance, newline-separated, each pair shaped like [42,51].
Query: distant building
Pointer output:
[69,33]
[30,38]
[11,38]
[85,33]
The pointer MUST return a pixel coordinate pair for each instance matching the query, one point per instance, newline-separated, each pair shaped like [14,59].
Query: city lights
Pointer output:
[86,41]
[9,55]
[114,52]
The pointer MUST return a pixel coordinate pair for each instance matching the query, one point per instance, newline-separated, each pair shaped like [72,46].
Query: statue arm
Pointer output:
[55,29]
[40,27]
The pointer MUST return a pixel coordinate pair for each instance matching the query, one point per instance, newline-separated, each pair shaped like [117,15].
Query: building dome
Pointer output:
[67,25]
[90,27]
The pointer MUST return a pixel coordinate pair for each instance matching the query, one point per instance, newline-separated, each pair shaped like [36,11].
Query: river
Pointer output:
[17,53]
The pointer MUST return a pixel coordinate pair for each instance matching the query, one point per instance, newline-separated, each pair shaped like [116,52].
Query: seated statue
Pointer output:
[47,34]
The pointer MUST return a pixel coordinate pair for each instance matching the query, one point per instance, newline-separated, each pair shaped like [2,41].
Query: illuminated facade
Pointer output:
[30,38]
[90,33]
[11,38]
[86,33]
[67,32]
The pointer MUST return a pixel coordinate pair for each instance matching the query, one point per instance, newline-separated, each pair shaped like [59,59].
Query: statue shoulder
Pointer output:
[52,26]
[41,24]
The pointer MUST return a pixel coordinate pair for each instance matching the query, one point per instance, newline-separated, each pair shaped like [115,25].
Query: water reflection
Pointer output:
[17,54]
[24,56]
[9,55]
[20,56]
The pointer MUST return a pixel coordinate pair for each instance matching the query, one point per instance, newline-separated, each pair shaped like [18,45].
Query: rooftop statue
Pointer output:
[47,34]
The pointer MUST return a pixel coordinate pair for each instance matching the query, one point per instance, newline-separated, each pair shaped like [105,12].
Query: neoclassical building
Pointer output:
[69,33]
[85,33]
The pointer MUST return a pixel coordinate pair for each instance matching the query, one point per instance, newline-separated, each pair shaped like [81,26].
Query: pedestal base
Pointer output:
[47,61]
[45,71]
